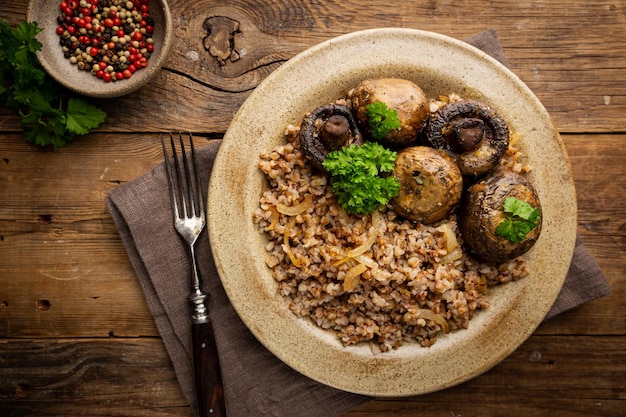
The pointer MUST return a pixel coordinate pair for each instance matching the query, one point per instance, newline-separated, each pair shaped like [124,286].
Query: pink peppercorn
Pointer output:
[114,58]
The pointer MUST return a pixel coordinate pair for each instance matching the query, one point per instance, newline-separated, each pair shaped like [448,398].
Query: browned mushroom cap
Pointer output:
[430,184]
[325,129]
[404,96]
[482,211]
[474,132]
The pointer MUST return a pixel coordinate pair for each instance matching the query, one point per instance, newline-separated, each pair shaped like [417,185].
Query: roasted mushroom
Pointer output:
[472,131]
[403,96]
[482,212]
[430,184]
[325,129]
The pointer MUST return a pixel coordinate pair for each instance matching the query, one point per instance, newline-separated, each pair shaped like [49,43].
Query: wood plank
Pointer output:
[58,237]
[133,377]
[76,336]
[577,74]
[97,377]
[81,268]
[540,379]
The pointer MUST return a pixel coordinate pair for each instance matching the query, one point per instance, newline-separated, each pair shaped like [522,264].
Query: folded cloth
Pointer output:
[256,383]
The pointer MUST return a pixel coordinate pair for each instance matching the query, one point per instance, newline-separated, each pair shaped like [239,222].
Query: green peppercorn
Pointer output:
[111,47]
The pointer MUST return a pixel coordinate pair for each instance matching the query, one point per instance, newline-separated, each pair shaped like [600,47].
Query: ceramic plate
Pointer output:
[319,75]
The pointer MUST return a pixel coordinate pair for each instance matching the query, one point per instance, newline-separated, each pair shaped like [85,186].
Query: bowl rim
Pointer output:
[115,89]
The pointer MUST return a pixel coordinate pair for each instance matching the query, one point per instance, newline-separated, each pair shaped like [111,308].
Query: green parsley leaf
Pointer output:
[520,219]
[50,115]
[381,119]
[82,116]
[356,179]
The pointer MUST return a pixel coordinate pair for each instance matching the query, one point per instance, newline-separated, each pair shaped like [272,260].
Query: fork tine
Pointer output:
[170,179]
[187,173]
[184,182]
[179,179]
[194,165]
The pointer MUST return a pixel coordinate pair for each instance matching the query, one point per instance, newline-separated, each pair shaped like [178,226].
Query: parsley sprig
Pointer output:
[381,119]
[50,115]
[356,179]
[520,219]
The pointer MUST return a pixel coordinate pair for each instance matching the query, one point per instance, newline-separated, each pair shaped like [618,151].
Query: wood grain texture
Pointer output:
[558,48]
[99,377]
[208,372]
[76,336]
[131,377]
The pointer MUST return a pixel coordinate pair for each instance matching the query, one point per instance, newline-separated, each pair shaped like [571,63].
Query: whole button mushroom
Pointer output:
[430,184]
[475,133]
[482,211]
[325,129]
[405,97]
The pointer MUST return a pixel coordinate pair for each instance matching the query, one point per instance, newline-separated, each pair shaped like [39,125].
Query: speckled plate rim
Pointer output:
[440,65]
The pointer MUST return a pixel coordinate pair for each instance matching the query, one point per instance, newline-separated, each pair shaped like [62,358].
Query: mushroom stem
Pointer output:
[467,134]
[325,129]
[335,131]
[475,133]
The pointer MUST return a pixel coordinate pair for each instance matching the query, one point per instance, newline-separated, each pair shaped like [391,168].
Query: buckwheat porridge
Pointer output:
[378,277]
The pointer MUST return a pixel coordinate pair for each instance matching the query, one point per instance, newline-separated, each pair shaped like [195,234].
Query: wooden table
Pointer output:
[76,336]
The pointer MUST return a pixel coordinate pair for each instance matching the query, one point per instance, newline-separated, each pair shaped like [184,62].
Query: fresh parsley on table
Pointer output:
[50,115]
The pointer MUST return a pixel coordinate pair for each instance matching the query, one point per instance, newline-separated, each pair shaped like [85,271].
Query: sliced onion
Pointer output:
[456,254]
[352,276]
[427,314]
[341,261]
[367,261]
[287,246]
[377,220]
[437,318]
[451,242]
[298,208]
[273,219]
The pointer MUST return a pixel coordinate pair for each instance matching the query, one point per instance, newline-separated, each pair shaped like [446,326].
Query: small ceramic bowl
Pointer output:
[45,13]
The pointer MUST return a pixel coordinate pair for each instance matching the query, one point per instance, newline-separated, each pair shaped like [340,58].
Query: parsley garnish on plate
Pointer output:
[381,119]
[49,114]
[520,219]
[356,179]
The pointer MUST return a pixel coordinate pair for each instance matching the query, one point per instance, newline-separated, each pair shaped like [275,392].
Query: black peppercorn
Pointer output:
[97,40]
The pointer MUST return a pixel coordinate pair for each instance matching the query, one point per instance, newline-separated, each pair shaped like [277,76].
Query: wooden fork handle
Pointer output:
[208,375]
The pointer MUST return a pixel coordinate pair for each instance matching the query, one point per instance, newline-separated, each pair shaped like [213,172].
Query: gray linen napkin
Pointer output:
[256,383]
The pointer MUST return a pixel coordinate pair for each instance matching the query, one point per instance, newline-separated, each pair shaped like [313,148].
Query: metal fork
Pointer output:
[189,220]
